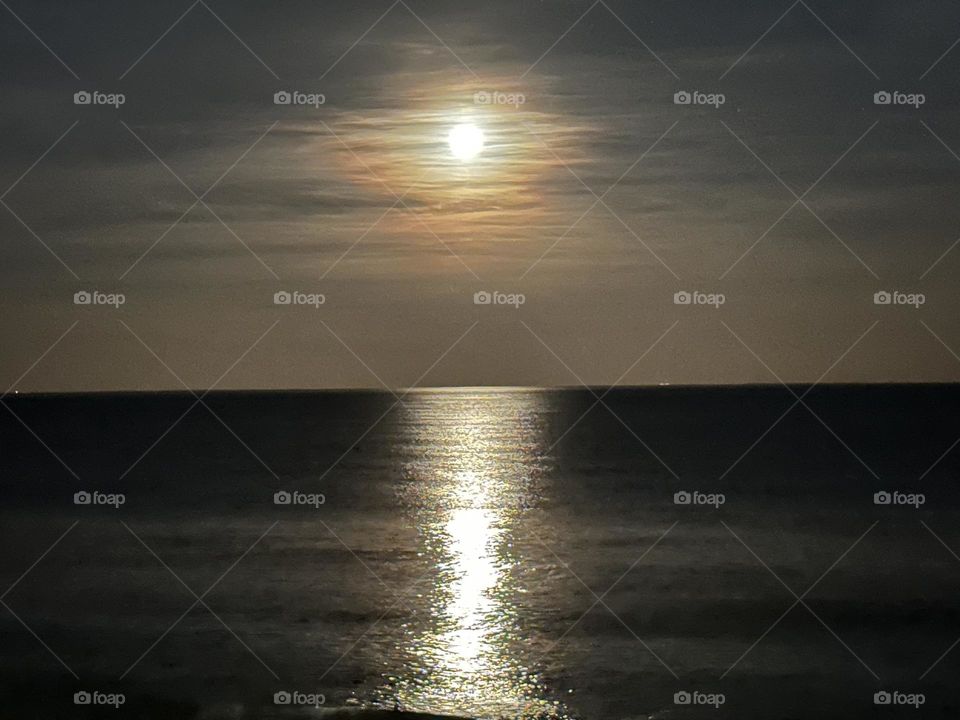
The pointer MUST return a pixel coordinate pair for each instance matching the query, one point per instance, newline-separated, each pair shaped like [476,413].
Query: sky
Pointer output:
[780,200]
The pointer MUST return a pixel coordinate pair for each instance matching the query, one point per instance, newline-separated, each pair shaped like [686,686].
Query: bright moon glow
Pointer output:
[466,141]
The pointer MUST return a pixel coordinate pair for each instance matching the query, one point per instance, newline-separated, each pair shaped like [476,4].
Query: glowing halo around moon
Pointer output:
[466,141]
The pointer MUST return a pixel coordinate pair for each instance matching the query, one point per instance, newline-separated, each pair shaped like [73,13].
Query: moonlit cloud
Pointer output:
[687,201]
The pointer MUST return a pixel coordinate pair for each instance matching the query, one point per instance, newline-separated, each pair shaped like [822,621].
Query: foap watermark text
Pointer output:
[298,298]
[95,697]
[96,297]
[896,297]
[696,297]
[895,497]
[499,298]
[295,497]
[695,697]
[495,97]
[95,497]
[895,697]
[295,697]
[695,497]
[295,97]
[95,97]
[895,97]
[695,97]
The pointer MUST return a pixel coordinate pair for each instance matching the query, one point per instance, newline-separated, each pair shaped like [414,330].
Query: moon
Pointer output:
[466,141]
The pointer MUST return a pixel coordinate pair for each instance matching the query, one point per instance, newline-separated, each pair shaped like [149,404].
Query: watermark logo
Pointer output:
[895,697]
[499,98]
[314,500]
[498,298]
[95,297]
[696,497]
[96,497]
[295,697]
[296,297]
[884,97]
[95,697]
[896,497]
[696,697]
[695,97]
[295,97]
[895,297]
[95,97]
[699,298]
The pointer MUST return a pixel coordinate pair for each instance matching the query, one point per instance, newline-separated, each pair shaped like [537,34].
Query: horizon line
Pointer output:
[476,388]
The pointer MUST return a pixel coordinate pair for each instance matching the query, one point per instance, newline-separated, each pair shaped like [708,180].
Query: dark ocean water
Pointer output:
[491,553]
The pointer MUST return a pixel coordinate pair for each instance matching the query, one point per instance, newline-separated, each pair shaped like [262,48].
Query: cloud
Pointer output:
[320,190]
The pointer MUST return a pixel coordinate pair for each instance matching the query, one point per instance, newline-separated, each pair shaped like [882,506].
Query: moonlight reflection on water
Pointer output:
[470,654]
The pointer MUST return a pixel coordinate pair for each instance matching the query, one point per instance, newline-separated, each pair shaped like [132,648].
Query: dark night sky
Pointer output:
[361,200]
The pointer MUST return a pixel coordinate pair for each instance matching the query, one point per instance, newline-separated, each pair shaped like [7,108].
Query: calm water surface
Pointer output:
[481,552]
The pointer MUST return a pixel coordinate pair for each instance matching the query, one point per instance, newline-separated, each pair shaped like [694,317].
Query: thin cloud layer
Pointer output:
[599,194]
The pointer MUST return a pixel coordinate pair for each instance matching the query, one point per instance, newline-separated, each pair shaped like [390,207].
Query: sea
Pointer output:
[605,553]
